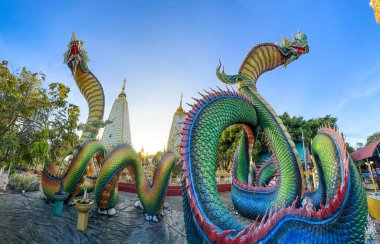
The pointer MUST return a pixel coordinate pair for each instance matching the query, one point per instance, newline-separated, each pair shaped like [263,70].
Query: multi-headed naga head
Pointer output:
[264,57]
[292,49]
[76,55]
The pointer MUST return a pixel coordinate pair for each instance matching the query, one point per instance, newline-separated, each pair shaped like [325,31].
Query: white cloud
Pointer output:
[364,84]
[358,93]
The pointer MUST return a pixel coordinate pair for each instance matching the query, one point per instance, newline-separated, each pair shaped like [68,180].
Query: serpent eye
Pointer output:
[239,79]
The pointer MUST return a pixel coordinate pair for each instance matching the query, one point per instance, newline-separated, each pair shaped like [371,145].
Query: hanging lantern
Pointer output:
[375,4]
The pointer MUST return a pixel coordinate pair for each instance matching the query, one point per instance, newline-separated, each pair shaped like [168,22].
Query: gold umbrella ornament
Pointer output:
[375,4]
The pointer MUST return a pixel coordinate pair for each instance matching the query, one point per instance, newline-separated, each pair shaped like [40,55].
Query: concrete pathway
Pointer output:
[26,218]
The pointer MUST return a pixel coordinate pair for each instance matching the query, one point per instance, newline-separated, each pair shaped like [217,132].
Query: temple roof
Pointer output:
[365,152]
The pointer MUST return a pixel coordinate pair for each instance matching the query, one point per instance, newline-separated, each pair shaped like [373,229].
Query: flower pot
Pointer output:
[83,210]
[59,198]
[374,206]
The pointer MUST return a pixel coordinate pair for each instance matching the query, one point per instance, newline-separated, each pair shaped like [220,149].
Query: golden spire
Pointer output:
[180,109]
[375,4]
[122,93]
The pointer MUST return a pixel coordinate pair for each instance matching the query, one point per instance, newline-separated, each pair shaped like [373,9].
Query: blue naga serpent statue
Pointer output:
[340,214]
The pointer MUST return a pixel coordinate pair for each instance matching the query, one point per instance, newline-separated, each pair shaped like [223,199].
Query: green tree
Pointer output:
[295,125]
[157,156]
[374,137]
[349,148]
[228,142]
[260,147]
[36,125]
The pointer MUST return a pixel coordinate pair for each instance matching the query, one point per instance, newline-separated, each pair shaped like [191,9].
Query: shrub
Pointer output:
[23,179]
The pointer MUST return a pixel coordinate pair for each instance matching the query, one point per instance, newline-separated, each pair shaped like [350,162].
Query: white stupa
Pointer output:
[119,130]
[174,140]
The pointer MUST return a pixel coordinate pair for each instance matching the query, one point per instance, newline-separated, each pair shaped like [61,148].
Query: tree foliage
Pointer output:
[295,126]
[374,137]
[37,125]
[228,142]
[349,148]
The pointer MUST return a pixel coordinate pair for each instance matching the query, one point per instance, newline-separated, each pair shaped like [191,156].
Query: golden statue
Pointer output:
[375,4]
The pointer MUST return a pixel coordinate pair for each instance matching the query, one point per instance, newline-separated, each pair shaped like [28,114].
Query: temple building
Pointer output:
[176,128]
[119,131]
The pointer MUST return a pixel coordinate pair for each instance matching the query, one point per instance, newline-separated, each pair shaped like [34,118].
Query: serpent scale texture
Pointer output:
[342,212]
[151,195]
[89,163]
[80,168]
[266,172]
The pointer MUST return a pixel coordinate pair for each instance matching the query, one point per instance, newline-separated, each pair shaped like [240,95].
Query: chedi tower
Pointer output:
[176,128]
[119,130]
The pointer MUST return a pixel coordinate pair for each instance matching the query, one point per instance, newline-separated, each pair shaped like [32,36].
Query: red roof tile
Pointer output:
[365,152]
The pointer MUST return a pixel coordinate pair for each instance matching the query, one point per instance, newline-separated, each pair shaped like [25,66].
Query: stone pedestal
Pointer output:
[59,198]
[83,210]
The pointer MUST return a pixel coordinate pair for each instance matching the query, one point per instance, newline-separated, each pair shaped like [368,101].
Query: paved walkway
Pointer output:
[26,218]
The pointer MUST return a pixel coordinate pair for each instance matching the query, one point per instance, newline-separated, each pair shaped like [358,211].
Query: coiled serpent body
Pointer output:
[340,217]
[89,162]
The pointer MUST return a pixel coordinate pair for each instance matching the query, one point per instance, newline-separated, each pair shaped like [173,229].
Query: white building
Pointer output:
[119,131]
[176,128]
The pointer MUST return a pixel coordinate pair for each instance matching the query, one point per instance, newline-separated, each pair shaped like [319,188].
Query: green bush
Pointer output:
[23,179]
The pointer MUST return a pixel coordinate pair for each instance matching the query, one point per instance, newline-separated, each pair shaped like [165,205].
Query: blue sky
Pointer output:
[164,48]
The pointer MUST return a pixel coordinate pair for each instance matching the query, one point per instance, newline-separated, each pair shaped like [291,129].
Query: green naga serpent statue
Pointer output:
[339,216]
[89,162]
